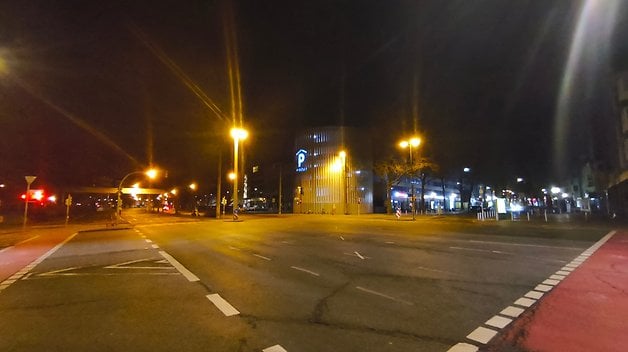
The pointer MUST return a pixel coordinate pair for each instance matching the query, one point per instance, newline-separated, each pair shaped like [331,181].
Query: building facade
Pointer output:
[334,172]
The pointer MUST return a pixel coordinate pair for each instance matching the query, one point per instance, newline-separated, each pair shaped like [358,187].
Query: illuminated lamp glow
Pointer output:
[516,207]
[52,199]
[565,195]
[38,195]
[398,194]
[555,190]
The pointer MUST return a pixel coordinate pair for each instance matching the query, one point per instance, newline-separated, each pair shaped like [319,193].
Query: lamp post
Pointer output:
[237,134]
[411,143]
[152,173]
[343,159]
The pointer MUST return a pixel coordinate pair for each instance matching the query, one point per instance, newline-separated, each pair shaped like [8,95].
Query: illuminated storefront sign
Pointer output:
[301,156]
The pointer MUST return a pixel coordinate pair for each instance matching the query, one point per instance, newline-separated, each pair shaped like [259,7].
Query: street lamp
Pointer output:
[151,173]
[237,134]
[411,143]
[343,160]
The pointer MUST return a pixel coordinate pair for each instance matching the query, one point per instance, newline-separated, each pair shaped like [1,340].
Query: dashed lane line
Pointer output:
[224,306]
[261,256]
[305,270]
[183,270]
[383,295]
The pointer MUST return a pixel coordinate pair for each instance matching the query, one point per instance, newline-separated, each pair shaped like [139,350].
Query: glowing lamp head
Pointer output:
[415,141]
[342,154]
[239,133]
[232,176]
[192,186]
[404,144]
[152,173]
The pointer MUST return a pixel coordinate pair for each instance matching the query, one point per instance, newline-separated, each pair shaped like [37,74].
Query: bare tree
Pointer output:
[391,170]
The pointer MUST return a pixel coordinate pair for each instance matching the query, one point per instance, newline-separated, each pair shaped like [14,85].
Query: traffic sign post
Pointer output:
[29,180]
[68,203]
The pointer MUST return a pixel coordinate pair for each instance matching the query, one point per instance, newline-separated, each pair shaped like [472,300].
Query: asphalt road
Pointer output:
[292,283]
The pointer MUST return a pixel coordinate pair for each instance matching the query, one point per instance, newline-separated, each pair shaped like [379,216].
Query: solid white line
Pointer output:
[183,270]
[359,255]
[261,256]
[305,271]
[482,335]
[383,295]
[275,348]
[463,347]
[224,306]
[480,250]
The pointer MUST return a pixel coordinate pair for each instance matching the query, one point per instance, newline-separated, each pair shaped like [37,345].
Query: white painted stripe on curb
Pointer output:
[567,269]
[463,347]
[154,246]
[224,306]
[551,282]
[534,294]
[498,322]
[275,348]
[557,277]
[148,240]
[512,311]
[564,273]
[183,270]
[482,335]
[525,302]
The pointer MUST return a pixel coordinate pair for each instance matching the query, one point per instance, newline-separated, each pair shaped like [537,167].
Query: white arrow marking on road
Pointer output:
[359,255]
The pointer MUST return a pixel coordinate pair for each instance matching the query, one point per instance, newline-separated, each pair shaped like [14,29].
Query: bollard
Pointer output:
[528,213]
[545,215]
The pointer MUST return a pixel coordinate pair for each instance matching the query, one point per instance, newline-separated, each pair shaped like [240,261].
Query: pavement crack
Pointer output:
[321,306]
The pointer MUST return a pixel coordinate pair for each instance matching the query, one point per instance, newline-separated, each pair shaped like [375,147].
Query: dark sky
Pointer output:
[83,97]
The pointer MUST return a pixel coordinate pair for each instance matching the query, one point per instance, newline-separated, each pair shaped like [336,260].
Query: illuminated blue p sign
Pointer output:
[301,156]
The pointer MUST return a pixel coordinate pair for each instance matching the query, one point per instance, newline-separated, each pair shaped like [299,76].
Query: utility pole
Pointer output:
[280,186]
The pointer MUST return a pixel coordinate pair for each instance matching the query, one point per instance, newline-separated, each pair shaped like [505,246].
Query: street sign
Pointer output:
[30,179]
[68,201]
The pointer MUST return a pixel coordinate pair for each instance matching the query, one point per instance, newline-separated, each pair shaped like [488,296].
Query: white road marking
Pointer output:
[564,273]
[482,335]
[534,294]
[342,238]
[480,250]
[154,246]
[390,242]
[557,277]
[261,256]
[525,302]
[234,248]
[498,322]
[512,311]
[543,288]
[183,270]
[436,270]
[463,347]
[384,295]
[275,348]
[60,272]
[567,269]
[305,271]
[148,240]
[224,306]
[126,265]
[551,282]
[522,244]
[359,255]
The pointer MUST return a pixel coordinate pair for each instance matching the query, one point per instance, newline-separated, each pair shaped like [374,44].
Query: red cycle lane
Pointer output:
[38,243]
[587,311]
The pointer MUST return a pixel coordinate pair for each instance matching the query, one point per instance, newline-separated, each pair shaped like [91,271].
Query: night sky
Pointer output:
[91,90]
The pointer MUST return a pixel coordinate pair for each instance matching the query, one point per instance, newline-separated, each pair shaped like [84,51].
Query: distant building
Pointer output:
[334,171]
[618,185]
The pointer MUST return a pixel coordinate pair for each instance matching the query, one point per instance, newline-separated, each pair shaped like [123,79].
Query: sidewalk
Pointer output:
[586,311]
